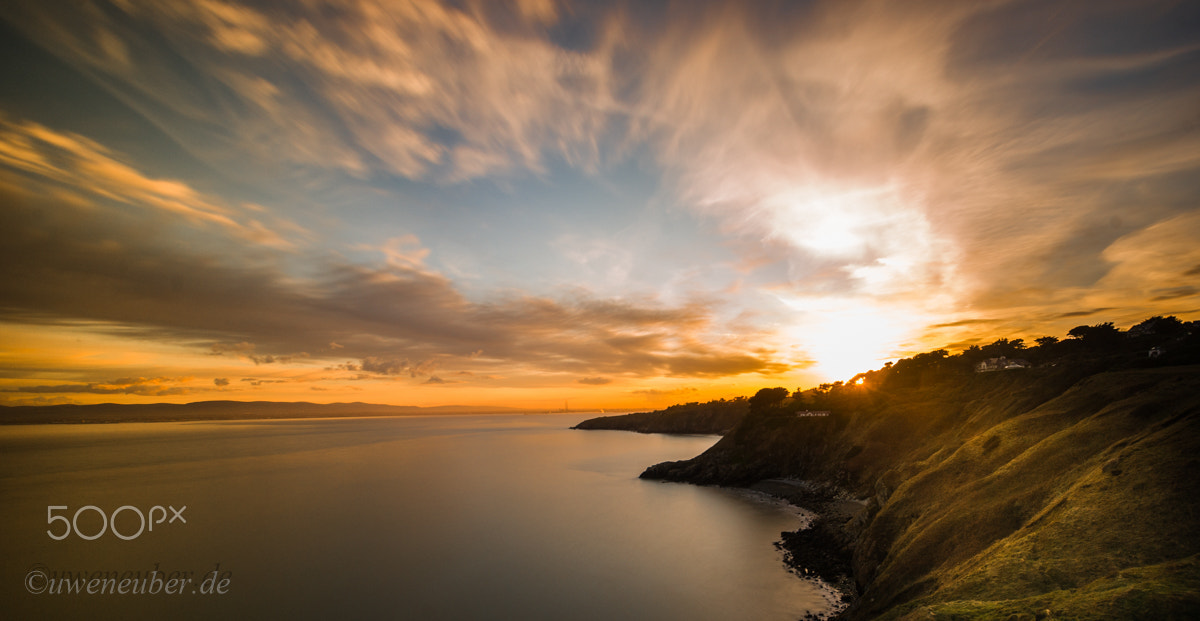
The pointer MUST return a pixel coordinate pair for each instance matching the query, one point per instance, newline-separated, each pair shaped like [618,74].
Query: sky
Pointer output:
[544,204]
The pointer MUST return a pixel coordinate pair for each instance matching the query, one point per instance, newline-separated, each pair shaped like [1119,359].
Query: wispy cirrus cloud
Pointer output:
[419,88]
[920,170]
[923,162]
[883,150]
[81,170]
[394,317]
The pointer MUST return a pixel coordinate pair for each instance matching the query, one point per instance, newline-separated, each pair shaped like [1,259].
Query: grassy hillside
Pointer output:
[1085,505]
[1068,490]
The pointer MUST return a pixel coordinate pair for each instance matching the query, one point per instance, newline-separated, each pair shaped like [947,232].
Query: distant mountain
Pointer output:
[221,410]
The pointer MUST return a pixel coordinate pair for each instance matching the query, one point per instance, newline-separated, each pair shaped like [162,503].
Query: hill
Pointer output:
[1060,488]
[715,417]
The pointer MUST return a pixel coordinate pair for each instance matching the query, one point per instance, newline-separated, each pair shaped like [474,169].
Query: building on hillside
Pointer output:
[1001,364]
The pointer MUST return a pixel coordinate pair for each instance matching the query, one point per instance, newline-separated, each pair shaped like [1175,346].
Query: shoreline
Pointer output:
[214,411]
[821,550]
[1066,489]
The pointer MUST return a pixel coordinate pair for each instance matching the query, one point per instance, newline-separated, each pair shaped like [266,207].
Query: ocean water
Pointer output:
[488,517]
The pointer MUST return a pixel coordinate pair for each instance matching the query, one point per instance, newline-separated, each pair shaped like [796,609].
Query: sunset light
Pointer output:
[599,309]
[846,337]
[614,204]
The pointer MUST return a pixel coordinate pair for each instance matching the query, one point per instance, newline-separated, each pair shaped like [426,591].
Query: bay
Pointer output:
[453,517]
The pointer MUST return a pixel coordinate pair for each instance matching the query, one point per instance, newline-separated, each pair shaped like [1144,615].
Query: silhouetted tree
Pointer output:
[1003,348]
[1159,326]
[1100,336]
[767,398]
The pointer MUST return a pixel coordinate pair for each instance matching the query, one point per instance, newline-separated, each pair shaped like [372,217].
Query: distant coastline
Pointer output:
[224,410]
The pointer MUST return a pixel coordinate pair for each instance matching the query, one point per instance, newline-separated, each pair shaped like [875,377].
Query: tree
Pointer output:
[767,398]
[1160,326]
[1101,335]
[1003,348]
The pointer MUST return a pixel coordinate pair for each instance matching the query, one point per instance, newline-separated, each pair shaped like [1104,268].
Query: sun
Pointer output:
[843,338]
[852,341]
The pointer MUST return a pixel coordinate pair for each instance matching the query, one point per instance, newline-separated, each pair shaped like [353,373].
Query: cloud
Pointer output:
[370,84]
[929,160]
[657,392]
[272,359]
[405,252]
[391,318]
[603,263]
[246,350]
[242,348]
[390,366]
[594,381]
[39,400]
[1153,262]
[87,169]
[1083,313]
[884,148]
[221,381]
[154,386]
[260,382]
[915,166]
[787,147]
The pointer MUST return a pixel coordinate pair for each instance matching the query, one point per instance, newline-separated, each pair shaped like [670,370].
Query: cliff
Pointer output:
[1067,491]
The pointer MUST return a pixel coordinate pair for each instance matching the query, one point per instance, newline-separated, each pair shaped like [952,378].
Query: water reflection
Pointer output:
[431,518]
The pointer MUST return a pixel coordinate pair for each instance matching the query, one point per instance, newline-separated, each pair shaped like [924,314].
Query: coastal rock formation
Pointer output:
[1065,491]
[712,418]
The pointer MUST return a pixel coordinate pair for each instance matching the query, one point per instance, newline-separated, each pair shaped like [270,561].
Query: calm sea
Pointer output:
[496,517]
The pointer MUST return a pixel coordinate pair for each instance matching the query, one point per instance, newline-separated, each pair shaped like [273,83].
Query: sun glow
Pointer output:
[868,271]
[840,223]
[846,337]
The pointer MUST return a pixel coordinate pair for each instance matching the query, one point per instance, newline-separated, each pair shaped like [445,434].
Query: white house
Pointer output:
[1001,364]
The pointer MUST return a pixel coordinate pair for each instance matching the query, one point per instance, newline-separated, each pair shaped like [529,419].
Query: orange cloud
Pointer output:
[154,386]
[920,168]
[89,169]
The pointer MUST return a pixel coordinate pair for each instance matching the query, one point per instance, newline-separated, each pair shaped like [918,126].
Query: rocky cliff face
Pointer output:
[1032,493]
